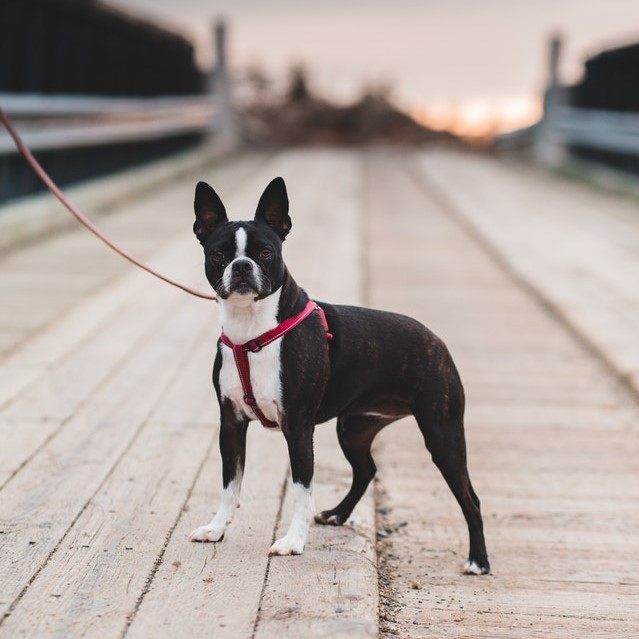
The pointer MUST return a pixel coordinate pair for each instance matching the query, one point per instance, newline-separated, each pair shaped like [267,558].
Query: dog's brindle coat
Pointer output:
[379,367]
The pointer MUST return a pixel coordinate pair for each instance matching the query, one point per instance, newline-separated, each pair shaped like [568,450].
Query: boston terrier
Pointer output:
[292,364]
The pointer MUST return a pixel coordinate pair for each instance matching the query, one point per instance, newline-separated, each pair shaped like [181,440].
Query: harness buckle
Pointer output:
[254,346]
[249,400]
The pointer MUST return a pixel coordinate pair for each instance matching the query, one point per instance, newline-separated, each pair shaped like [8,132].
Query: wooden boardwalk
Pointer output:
[108,454]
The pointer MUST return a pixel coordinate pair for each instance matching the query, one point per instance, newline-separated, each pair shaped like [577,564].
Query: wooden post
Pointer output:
[548,148]
[226,126]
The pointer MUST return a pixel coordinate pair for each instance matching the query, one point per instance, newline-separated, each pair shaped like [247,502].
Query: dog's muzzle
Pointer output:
[244,277]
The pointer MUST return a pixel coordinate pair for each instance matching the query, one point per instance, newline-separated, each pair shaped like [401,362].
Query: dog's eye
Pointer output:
[265,253]
[217,257]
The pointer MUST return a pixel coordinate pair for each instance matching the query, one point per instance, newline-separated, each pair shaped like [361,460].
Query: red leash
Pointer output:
[240,352]
[51,185]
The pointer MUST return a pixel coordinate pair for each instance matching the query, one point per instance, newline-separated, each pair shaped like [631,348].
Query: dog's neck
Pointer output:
[243,318]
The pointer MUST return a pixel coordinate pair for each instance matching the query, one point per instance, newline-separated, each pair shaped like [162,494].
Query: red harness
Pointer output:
[240,353]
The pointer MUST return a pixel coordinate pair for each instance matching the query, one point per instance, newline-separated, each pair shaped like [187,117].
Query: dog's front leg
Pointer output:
[300,450]
[233,452]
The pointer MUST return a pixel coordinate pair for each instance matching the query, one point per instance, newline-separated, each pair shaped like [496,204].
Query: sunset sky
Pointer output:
[465,64]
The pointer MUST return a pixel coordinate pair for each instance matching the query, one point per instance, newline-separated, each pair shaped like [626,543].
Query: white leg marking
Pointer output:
[293,542]
[230,502]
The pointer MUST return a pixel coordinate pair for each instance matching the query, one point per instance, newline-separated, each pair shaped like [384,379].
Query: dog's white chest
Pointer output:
[240,326]
[265,380]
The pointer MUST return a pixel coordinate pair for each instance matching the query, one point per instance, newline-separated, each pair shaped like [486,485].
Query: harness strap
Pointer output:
[240,353]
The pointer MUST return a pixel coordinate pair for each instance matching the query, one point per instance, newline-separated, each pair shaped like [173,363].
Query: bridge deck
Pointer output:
[108,423]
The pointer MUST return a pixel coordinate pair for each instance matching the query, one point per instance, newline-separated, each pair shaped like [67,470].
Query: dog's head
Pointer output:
[243,259]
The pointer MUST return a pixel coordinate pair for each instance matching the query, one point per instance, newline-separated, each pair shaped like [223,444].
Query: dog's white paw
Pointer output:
[207,533]
[288,545]
[472,568]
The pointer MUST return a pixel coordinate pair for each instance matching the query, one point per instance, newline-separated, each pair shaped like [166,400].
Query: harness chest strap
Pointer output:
[240,353]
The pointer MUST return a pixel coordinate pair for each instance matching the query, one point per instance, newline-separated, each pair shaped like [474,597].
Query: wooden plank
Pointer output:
[216,588]
[93,580]
[572,245]
[113,546]
[552,470]
[44,500]
[19,440]
[330,590]
[66,384]
[24,367]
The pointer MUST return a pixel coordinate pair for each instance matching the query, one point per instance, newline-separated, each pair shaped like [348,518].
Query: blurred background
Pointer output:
[554,80]
[471,67]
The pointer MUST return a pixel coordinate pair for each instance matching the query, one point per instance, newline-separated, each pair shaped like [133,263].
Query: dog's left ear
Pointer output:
[273,208]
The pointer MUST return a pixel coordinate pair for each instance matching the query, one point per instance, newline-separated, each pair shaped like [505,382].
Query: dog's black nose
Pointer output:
[242,267]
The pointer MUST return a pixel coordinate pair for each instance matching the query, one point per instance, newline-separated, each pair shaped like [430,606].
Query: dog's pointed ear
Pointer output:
[273,208]
[209,210]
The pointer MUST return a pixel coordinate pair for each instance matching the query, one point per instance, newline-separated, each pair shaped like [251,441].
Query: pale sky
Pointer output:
[433,53]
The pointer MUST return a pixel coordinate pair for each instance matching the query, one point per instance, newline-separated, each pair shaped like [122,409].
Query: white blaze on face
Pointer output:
[240,242]
[241,238]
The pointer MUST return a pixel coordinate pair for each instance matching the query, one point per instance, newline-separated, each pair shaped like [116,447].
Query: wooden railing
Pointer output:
[80,136]
[602,130]
[50,122]
[564,130]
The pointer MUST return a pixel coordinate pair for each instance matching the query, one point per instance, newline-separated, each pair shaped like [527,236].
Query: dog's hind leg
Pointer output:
[444,437]
[355,434]
[233,452]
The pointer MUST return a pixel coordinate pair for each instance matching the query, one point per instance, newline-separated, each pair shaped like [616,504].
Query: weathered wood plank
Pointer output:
[40,504]
[93,580]
[19,440]
[216,588]
[553,470]
[330,590]
[575,245]
[57,393]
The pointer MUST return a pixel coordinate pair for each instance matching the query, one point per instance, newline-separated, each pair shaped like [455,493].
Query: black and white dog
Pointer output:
[377,368]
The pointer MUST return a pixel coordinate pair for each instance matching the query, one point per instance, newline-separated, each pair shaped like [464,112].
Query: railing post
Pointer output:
[226,126]
[548,147]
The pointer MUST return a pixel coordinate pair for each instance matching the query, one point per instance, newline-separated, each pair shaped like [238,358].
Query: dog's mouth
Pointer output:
[245,286]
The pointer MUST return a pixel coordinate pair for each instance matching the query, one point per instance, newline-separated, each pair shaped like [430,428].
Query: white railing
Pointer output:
[563,126]
[594,129]
[62,121]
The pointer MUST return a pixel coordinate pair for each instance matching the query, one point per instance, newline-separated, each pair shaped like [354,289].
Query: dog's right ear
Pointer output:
[209,210]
